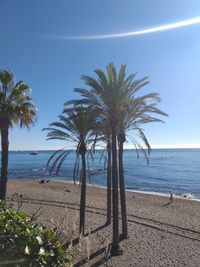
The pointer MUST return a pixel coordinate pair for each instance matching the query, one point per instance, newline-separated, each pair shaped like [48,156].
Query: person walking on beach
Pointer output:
[171,197]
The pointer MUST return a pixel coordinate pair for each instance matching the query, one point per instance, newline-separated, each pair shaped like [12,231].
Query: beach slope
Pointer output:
[160,233]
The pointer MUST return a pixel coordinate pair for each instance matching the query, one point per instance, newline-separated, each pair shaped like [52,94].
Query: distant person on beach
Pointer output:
[171,197]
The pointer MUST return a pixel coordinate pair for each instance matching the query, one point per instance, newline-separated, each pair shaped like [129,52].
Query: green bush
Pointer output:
[24,242]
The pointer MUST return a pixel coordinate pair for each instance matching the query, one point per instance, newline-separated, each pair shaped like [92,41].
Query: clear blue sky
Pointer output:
[30,46]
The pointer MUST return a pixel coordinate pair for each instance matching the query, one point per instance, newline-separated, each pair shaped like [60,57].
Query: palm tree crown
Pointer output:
[16,105]
[75,126]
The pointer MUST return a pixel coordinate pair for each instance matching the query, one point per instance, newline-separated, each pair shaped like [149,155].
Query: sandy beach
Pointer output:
[160,233]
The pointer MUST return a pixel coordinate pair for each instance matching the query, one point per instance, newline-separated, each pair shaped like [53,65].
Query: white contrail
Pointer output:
[160,28]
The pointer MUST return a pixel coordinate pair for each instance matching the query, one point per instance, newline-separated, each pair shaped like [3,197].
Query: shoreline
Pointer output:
[161,194]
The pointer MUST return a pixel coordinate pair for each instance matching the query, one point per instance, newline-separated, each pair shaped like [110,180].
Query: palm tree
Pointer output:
[111,94]
[76,126]
[16,107]
[138,112]
[107,95]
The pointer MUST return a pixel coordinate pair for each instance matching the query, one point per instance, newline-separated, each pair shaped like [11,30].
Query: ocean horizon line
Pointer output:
[152,148]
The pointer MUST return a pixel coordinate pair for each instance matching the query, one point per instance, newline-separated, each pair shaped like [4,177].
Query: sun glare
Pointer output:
[160,28]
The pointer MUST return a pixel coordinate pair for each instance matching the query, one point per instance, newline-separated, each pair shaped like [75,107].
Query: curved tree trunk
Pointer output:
[115,250]
[109,169]
[4,162]
[83,195]
[122,190]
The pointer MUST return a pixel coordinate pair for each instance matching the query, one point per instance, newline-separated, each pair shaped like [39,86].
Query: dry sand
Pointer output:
[160,234]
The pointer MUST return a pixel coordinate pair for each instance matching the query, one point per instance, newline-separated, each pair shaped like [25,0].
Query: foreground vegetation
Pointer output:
[24,242]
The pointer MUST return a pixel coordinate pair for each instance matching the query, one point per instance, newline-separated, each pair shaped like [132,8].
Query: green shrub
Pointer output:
[24,242]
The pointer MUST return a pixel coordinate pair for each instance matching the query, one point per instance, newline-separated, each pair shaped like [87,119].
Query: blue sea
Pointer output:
[175,170]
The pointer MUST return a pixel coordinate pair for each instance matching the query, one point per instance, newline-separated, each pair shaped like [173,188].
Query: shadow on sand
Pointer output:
[177,230]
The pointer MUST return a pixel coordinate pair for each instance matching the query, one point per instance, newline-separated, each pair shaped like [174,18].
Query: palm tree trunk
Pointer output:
[83,195]
[4,162]
[115,250]
[109,169]
[122,190]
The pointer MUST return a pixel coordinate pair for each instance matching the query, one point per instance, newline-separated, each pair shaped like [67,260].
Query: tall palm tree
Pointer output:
[139,111]
[110,94]
[16,108]
[75,126]
[107,95]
